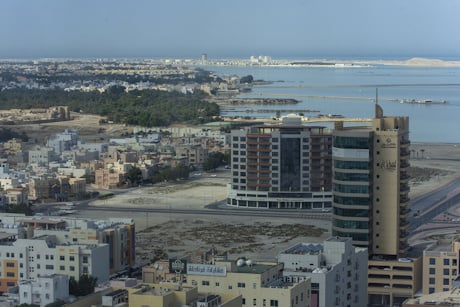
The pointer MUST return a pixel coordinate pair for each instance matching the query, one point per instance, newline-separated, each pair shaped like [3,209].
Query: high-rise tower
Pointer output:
[370,201]
[371,184]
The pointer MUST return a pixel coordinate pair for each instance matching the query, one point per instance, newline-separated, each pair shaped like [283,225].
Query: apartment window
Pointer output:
[243,301]
[38,266]
[273,303]
[62,258]
[432,260]
[254,285]
[432,271]
[72,258]
[254,302]
[85,259]
[431,290]
[431,281]
[21,265]
[72,268]
[205,282]
[49,267]
[52,257]
[9,274]
[217,284]
[446,272]
[447,261]
[241,285]
[445,281]
[62,267]
[85,270]
[10,264]
[20,255]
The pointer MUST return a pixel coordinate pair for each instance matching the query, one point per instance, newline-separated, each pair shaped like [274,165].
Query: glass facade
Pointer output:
[290,176]
[351,212]
[348,188]
[351,224]
[364,165]
[351,176]
[352,201]
[351,142]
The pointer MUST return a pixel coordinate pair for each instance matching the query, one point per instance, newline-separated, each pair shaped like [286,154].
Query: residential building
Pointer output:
[370,202]
[44,290]
[440,266]
[17,196]
[337,271]
[64,141]
[12,146]
[106,178]
[286,166]
[41,156]
[26,259]
[118,233]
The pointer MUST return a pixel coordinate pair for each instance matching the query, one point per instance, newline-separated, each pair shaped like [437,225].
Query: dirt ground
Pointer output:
[433,165]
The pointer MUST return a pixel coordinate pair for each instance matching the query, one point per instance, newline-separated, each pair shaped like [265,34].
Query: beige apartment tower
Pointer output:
[370,202]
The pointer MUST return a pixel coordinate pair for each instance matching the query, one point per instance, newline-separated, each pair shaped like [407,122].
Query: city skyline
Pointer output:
[297,29]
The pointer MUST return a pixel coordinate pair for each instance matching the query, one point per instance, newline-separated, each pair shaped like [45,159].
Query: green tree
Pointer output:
[214,160]
[20,208]
[84,286]
[134,175]
[247,79]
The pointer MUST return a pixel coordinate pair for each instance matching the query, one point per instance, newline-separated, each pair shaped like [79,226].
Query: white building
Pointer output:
[44,290]
[337,270]
[29,259]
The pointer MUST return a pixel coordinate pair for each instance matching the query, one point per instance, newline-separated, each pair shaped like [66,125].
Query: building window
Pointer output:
[445,281]
[62,258]
[254,302]
[243,301]
[72,268]
[61,267]
[431,290]
[72,258]
[431,281]
[432,260]
[241,285]
[49,267]
[10,264]
[273,303]
[205,282]
[9,274]
[432,271]
[447,261]
[85,259]
[446,272]
[217,284]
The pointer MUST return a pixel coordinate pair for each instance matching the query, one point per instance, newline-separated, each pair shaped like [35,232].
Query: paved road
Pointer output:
[430,205]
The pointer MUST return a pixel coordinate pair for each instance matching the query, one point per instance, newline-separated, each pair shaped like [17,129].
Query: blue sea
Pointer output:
[428,123]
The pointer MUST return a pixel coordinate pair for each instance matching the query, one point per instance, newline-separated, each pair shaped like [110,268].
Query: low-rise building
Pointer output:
[26,259]
[337,270]
[259,284]
[440,266]
[44,290]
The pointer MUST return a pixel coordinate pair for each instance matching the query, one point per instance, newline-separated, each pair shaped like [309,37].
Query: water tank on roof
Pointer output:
[240,262]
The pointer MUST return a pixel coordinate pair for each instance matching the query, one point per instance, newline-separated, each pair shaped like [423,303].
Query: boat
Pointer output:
[426,101]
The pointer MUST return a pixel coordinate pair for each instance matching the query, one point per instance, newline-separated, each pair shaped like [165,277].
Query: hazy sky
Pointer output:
[235,28]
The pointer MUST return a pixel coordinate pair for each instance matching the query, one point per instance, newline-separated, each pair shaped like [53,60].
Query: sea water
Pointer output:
[351,92]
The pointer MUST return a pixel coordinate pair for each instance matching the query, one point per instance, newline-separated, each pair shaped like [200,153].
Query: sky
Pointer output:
[230,29]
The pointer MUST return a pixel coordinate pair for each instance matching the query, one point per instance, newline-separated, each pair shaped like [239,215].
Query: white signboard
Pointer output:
[206,269]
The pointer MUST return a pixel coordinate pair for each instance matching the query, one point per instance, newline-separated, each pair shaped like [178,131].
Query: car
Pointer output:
[213,175]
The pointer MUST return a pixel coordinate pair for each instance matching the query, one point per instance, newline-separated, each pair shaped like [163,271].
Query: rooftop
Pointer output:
[305,248]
